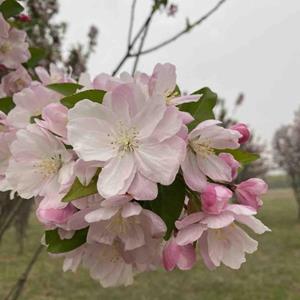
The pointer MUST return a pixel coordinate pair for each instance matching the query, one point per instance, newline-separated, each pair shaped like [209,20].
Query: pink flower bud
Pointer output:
[24,18]
[184,257]
[214,198]
[53,216]
[249,192]
[243,130]
[231,162]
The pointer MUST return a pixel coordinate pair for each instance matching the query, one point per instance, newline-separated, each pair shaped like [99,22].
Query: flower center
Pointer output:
[170,95]
[20,84]
[5,47]
[49,166]
[120,226]
[126,139]
[202,147]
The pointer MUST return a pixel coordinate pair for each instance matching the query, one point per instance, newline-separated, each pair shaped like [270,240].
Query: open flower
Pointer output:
[15,81]
[119,219]
[55,75]
[13,48]
[184,257]
[201,159]
[131,135]
[163,82]
[30,103]
[219,238]
[105,263]
[40,163]
[249,192]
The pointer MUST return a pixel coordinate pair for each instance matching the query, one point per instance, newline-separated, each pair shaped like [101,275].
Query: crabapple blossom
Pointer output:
[163,82]
[232,163]
[218,236]
[249,192]
[55,119]
[13,47]
[94,169]
[40,163]
[201,159]
[119,219]
[30,103]
[214,198]
[55,75]
[243,130]
[15,81]
[184,257]
[53,217]
[128,133]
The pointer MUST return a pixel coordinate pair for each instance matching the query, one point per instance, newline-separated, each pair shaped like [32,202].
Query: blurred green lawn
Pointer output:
[273,272]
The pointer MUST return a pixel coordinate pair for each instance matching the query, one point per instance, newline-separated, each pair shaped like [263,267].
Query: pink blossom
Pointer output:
[218,236]
[6,139]
[249,192]
[214,198]
[15,81]
[30,103]
[129,134]
[232,163]
[55,118]
[184,257]
[119,219]
[55,75]
[55,216]
[201,159]
[24,18]
[40,163]
[163,82]
[13,48]
[243,130]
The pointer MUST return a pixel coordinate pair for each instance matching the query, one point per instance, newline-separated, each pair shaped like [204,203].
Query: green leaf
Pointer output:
[57,245]
[37,54]
[242,156]
[66,88]
[203,109]
[93,95]
[6,104]
[78,190]
[168,204]
[10,8]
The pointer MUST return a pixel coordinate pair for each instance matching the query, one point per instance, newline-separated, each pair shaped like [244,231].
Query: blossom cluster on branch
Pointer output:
[127,173]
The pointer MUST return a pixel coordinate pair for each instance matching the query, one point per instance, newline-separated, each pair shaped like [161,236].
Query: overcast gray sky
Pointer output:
[249,46]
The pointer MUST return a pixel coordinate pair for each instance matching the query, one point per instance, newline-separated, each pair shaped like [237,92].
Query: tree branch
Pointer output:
[136,61]
[131,22]
[11,217]
[132,44]
[17,289]
[188,28]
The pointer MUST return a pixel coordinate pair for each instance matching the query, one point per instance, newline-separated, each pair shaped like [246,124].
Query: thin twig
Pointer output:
[17,289]
[11,217]
[136,61]
[131,22]
[188,28]
[132,44]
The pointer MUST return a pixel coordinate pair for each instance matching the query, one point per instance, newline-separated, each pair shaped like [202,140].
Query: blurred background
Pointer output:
[246,51]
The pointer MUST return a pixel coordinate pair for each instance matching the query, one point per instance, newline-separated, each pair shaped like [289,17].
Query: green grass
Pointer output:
[273,272]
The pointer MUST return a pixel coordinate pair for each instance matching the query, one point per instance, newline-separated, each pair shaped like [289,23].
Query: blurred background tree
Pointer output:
[286,145]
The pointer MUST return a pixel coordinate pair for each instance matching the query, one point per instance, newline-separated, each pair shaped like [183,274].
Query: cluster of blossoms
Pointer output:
[100,170]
